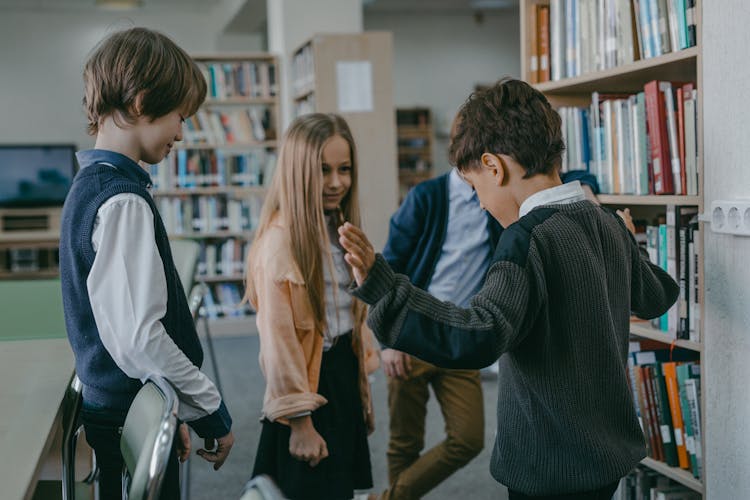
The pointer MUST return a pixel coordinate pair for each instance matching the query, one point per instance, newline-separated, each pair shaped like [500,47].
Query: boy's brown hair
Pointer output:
[135,61]
[510,118]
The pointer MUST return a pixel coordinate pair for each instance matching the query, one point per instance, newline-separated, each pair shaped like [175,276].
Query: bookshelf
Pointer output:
[211,186]
[415,142]
[583,70]
[351,75]
[29,243]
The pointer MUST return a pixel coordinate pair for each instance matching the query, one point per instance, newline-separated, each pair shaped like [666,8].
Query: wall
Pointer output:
[42,59]
[727,308]
[438,58]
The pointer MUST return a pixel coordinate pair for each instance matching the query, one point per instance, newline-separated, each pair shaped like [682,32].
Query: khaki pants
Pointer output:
[459,393]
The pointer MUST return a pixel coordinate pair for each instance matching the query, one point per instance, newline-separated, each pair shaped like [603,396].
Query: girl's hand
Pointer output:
[305,443]
[360,254]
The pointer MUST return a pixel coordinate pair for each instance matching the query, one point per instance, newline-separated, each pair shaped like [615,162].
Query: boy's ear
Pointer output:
[496,166]
[138,104]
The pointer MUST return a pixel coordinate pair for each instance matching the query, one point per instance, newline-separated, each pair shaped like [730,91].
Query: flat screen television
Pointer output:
[36,175]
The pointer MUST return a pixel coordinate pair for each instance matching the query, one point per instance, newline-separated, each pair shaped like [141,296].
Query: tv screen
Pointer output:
[35,176]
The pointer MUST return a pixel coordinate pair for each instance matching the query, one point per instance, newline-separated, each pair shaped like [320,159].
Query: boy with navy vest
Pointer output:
[125,310]
[554,307]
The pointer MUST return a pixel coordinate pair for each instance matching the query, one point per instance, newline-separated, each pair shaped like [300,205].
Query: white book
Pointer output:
[691,154]
[608,150]
[624,28]
[596,139]
[674,150]
[674,27]
[639,169]
[557,38]
[655,32]
[628,166]
[620,134]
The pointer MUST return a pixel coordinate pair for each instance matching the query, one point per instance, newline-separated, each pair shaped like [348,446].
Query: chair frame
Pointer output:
[162,447]
[72,428]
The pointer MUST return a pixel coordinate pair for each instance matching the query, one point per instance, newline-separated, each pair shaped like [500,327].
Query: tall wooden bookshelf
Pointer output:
[29,243]
[677,65]
[415,142]
[351,75]
[211,186]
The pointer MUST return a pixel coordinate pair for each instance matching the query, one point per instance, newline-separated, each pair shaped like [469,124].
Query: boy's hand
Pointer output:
[220,454]
[305,443]
[395,363]
[360,254]
[183,442]
[628,219]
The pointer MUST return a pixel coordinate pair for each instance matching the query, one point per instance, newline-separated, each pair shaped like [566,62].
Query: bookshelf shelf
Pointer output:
[237,146]
[654,334]
[654,200]
[232,140]
[30,275]
[681,476]
[237,191]
[630,77]
[304,95]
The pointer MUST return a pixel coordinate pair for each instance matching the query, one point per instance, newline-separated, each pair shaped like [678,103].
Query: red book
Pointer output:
[543,41]
[658,139]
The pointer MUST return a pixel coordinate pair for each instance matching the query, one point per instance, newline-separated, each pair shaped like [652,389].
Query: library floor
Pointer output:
[243,387]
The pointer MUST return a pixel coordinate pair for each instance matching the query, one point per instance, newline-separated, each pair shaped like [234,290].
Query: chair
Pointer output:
[261,488]
[72,427]
[146,442]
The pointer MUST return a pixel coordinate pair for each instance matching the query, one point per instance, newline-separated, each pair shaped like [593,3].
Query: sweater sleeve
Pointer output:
[409,319]
[653,291]
[282,359]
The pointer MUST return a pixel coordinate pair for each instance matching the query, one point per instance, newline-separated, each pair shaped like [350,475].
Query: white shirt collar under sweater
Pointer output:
[558,195]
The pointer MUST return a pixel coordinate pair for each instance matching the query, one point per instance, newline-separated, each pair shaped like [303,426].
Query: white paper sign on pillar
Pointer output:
[354,86]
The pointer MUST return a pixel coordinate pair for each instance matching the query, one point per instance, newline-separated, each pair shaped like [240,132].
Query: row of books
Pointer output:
[673,245]
[209,214]
[644,143]
[303,71]
[574,37]
[239,125]
[240,79]
[666,391]
[645,484]
[226,258]
[190,168]
[224,300]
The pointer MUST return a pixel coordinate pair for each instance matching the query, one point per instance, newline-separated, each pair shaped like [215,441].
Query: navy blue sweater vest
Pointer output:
[104,383]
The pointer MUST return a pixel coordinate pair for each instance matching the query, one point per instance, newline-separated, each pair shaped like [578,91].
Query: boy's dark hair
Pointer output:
[135,61]
[510,118]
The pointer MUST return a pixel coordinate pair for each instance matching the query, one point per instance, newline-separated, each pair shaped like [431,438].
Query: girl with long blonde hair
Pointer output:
[315,350]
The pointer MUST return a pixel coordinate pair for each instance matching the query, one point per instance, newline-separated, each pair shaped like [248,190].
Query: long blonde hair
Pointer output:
[296,196]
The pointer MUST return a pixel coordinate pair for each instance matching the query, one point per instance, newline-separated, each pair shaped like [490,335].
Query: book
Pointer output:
[669,371]
[543,42]
[656,118]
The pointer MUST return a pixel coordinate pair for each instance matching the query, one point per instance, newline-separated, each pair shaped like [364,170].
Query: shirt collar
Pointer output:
[558,195]
[459,188]
[122,163]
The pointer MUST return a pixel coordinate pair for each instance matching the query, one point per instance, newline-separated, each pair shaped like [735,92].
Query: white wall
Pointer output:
[438,59]
[727,309]
[42,56]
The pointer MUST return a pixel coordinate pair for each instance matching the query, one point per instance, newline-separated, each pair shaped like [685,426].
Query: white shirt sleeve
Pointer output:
[128,294]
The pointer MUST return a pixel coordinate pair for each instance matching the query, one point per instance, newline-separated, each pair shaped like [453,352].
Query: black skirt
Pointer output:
[340,423]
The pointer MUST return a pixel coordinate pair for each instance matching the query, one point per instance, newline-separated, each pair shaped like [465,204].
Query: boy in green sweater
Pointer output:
[554,308]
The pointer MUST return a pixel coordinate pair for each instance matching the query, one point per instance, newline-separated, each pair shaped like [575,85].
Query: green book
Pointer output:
[665,418]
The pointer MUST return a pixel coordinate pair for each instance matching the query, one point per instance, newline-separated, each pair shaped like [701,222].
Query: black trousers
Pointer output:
[103,428]
[604,493]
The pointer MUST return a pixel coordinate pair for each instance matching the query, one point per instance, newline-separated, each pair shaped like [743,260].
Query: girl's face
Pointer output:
[337,171]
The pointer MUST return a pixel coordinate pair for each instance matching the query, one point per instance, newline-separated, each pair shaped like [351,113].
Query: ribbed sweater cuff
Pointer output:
[379,282]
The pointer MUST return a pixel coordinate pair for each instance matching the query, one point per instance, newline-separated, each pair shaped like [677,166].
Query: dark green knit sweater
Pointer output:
[555,308]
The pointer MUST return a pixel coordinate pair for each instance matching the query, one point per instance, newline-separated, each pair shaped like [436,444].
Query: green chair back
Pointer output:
[147,436]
